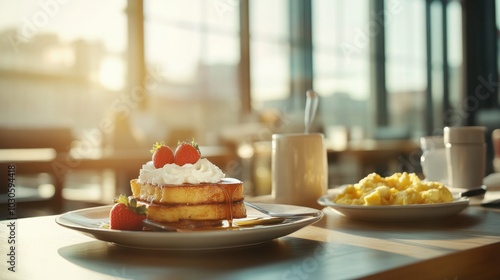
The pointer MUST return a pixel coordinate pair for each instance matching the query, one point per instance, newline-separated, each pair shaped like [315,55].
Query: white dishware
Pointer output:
[433,159]
[299,168]
[465,156]
[397,213]
[90,222]
[492,181]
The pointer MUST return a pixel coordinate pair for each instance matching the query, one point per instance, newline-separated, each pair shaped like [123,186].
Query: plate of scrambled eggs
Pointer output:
[400,197]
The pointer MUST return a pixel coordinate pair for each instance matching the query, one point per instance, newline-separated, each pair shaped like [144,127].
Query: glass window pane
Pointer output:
[221,49]
[181,50]
[455,49]
[58,67]
[269,19]
[406,65]
[437,62]
[270,69]
[269,53]
[187,13]
[341,61]
[194,45]
[177,61]
[223,15]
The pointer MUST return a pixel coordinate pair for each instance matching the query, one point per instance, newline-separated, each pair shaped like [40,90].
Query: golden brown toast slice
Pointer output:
[192,203]
[200,212]
[189,193]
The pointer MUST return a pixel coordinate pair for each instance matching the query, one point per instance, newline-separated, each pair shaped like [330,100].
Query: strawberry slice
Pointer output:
[126,215]
[162,155]
[187,152]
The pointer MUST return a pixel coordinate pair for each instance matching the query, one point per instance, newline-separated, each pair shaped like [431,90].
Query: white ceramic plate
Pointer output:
[397,213]
[89,221]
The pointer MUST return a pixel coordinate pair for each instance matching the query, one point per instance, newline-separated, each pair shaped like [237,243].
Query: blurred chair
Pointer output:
[33,150]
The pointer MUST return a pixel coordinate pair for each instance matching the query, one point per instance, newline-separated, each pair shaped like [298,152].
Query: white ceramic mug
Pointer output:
[299,168]
[465,156]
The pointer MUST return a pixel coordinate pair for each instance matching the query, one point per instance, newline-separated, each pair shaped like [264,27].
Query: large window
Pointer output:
[196,77]
[58,68]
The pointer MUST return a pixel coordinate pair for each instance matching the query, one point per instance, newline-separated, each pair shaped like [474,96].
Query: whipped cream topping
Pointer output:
[203,171]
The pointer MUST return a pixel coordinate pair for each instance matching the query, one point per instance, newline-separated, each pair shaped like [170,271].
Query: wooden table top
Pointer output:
[462,247]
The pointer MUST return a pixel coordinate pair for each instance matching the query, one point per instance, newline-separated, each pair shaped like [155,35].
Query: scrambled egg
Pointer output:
[398,189]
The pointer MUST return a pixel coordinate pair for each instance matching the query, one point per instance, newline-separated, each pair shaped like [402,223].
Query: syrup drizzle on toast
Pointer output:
[228,190]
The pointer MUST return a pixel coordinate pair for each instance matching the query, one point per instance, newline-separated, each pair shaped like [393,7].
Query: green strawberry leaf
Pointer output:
[131,204]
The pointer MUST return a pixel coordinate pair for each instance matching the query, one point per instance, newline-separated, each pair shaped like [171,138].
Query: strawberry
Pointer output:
[162,155]
[187,153]
[126,215]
